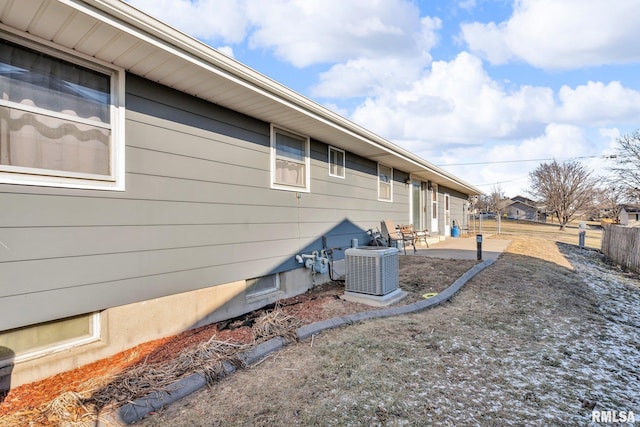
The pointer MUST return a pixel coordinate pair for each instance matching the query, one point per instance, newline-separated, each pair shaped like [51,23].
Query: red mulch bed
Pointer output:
[315,305]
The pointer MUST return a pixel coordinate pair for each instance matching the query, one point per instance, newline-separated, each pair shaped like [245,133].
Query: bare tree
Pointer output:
[627,165]
[498,202]
[482,203]
[493,202]
[565,188]
[609,196]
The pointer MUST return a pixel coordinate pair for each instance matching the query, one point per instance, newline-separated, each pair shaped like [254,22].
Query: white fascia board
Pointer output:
[129,19]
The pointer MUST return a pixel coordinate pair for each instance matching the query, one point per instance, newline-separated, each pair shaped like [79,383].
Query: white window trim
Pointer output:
[252,296]
[54,178]
[390,199]
[434,219]
[307,161]
[446,202]
[65,345]
[344,160]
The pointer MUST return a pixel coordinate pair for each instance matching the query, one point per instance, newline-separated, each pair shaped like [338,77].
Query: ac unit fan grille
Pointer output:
[371,271]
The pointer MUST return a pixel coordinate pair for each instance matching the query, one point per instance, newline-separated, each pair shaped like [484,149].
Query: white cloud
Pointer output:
[304,33]
[611,133]
[596,103]
[456,102]
[487,41]
[227,50]
[559,141]
[391,69]
[467,5]
[507,164]
[561,34]
[204,19]
[456,112]
[444,111]
[365,77]
[369,44]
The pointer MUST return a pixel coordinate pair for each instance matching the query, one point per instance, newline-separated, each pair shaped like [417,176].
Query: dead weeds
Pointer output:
[83,404]
[524,343]
[419,276]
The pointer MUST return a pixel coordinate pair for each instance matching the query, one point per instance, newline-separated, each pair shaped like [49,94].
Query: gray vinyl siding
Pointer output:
[458,208]
[197,211]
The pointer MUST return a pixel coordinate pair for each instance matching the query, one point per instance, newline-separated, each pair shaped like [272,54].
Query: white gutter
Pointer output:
[152,31]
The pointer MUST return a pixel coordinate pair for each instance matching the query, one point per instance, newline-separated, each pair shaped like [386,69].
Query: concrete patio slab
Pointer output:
[463,248]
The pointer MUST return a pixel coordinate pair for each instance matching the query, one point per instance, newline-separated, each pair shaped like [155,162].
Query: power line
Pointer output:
[501,182]
[613,156]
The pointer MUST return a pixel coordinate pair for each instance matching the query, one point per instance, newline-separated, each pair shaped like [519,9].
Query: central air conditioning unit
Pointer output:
[371,270]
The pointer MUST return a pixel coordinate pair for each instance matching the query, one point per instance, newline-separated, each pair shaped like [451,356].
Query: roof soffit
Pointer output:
[117,33]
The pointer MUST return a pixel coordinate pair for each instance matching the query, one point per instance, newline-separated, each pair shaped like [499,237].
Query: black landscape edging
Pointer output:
[140,408]
[315,328]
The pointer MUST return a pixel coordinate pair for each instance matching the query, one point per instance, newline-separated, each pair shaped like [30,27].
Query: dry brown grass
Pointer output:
[486,356]
[550,232]
[511,349]
[419,276]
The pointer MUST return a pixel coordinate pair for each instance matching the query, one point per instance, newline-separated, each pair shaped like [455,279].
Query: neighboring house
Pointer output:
[150,184]
[524,200]
[522,208]
[629,215]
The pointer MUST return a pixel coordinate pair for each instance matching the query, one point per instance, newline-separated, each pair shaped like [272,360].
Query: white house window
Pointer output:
[262,285]
[290,160]
[58,120]
[36,340]
[385,180]
[336,162]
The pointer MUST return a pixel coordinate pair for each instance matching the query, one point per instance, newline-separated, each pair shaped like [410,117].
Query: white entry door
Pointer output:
[447,215]
[434,209]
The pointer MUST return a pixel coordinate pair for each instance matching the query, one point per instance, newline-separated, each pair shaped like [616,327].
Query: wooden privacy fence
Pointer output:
[622,246]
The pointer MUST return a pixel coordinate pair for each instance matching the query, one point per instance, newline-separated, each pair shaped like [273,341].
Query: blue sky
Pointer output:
[490,82]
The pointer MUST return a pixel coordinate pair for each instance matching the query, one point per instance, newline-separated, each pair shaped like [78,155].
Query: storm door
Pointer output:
[417,204]
[447,215]
[433,229]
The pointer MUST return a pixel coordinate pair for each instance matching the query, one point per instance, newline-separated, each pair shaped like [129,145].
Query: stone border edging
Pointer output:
[140,408]
[315,328]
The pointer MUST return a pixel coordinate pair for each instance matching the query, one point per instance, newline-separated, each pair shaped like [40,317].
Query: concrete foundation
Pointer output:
[127,326]
[375,300]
